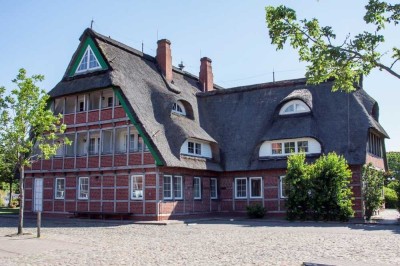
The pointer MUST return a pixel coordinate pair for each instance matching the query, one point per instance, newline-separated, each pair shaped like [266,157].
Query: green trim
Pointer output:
[138,127]
[88,42]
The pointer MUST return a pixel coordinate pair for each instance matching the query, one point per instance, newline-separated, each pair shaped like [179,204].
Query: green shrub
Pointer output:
[390,198]
[298,188]
[331,178]
[320,190]
[372,189]
[256,211]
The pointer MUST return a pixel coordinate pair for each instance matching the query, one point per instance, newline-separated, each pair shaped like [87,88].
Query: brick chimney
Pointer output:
[206,77]
[164,58]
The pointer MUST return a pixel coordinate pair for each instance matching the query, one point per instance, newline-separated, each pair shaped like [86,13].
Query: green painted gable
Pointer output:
[88,42]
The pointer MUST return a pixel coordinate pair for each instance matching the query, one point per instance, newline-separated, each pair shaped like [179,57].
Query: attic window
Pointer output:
[294,107]
[178,108]
[286,147]
[88,62]
[196,148]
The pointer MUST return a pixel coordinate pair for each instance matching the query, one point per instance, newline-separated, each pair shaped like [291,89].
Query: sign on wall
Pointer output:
[38,195]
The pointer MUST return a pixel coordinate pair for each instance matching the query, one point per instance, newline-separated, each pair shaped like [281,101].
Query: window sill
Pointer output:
[193,156]
[284,156]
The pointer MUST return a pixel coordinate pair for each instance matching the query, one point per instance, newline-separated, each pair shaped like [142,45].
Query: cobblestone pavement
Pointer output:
[218,242]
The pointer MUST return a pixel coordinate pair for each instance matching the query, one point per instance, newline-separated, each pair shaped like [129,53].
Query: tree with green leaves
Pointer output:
[393,176]
[27,122]
[7,171]
[344,61]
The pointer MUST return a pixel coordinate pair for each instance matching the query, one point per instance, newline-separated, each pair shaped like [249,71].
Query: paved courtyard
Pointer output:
[218,242]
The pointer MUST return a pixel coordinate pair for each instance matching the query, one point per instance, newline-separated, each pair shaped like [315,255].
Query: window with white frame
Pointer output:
[241,188]
[81,106]
[141,144]
[70,104]
[83,188]
[255,187]
[59,188]
[88,61]
[173,187]
[286,147]
[60,149]
[107,99]
[282,187]
[178,108]
[213,188]
[137,187]
[59,106]
[194,148]
[107,141]
[375,144]
[81,144]
[197,188]
[94,100]
[70,149]
[133,145]
[294,107]
[94,143]
[290,147]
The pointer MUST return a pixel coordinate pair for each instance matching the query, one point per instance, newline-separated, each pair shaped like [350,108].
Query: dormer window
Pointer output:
[294,107]
[286,147]
[88,62]
[196,148]
[178,108]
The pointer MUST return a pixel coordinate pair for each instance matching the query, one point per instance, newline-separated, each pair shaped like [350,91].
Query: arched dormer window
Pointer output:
[294,107]
[178,108]
[285,147]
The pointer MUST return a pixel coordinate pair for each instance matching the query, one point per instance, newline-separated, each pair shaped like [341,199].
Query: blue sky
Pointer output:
[41,36]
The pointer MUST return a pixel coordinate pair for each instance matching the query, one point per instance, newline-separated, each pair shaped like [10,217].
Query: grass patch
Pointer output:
[6,210]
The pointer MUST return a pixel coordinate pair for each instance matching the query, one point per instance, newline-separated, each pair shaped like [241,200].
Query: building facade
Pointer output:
[153,141]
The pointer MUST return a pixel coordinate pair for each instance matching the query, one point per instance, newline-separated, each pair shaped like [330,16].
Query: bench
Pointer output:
[101,215]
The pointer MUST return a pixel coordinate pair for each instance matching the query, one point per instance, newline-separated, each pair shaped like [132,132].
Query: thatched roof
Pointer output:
[235,121]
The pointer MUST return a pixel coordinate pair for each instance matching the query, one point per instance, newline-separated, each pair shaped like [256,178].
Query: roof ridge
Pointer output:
[259,86]
[116,43]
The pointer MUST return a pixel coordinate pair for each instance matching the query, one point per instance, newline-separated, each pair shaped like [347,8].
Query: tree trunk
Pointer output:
[10,183]
[21,200]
